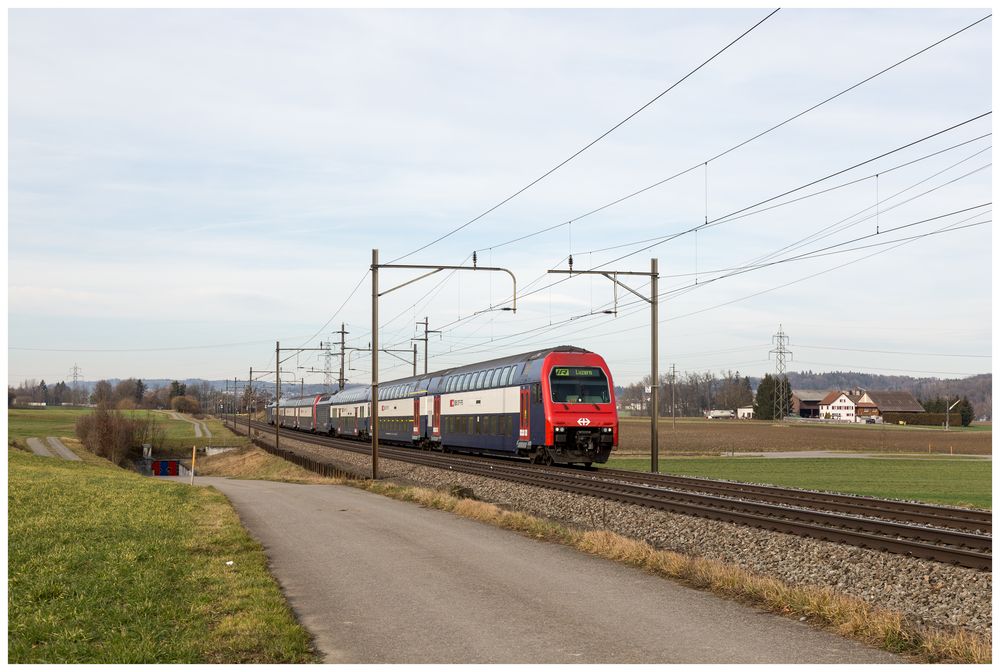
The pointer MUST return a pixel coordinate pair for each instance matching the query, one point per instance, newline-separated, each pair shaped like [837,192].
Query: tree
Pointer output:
[966,411]
[125,390]
[60,393]
[185,404]
[734,392]
[177,389]
[140,390]
[763,407]
[102,394]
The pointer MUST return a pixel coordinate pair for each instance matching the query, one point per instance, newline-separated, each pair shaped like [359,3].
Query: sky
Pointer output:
[187,187]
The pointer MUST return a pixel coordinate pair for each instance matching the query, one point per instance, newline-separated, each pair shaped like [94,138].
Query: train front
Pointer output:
[581,421]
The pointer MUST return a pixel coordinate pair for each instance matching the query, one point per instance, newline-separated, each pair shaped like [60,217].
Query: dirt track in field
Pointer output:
[708,437]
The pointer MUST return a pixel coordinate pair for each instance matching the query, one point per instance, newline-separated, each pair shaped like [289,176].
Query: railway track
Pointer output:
[944,534]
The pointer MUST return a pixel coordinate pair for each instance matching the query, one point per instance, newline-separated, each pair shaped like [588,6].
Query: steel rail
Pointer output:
[951,517]
[969,550]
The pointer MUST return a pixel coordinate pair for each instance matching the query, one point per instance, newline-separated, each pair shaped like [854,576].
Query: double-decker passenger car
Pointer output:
[555,405]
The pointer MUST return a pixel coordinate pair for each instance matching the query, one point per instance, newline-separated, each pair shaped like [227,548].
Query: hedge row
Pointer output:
[931,419]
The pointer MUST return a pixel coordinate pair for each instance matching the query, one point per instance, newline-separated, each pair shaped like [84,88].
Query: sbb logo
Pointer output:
[583,422]
[455,402]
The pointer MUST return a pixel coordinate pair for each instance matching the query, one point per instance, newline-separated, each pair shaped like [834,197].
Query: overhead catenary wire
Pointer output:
[587,146]
[472,316]
[658,240]
[470,349]
[741,144]
[745,211]
[691,287]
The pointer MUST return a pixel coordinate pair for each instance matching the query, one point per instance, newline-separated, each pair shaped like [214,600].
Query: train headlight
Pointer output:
[607,430]
[560,429]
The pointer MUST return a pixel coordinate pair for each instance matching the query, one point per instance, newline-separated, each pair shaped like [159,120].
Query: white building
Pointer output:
[837,406]
[744,412]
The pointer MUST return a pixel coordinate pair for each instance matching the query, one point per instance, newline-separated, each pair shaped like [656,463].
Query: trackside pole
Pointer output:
[373,416]
[194,453]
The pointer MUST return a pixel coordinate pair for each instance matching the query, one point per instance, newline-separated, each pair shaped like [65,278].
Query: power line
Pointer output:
[185,347]
[587,146]
[334,316]
[724,218]
[700,164]
[897,243]
[890,352]
[743,211]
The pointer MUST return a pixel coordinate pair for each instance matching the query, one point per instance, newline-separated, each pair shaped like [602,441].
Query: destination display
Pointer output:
[578,372]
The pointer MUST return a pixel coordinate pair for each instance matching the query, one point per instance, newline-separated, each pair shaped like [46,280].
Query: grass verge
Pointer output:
[106,566]
[959,482]
[848,616]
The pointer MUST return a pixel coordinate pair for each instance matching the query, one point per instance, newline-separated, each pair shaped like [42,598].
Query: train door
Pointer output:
[436,420]
[357,414]
[416,419]
[536,431]
[524,433]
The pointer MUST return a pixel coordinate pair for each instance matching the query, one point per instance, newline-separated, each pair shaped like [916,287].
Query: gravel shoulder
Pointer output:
[927,592]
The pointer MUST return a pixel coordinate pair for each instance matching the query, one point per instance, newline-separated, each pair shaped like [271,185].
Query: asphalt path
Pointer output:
[38,448]
[60,449]
[381,581]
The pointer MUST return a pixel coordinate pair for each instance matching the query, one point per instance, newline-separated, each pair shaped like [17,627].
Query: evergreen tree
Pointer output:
[966,411]
[763,405]
[177,389]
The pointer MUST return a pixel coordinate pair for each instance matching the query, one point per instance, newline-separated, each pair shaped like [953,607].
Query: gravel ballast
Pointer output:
[930,593]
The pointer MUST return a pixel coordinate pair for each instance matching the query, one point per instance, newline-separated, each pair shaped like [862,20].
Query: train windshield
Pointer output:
[579,385]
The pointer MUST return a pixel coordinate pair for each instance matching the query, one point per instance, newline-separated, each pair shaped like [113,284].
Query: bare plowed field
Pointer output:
[706,437]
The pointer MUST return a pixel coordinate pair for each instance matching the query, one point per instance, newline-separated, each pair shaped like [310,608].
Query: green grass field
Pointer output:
[106,566]
[57,421]
[941,481]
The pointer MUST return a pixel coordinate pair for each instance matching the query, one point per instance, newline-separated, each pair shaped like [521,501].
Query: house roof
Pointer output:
[811,396]
[831,397]
[895,402]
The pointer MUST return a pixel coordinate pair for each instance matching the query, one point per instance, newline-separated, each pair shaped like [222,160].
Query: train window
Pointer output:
[491,378]
[480,380]
[579,385]
[508,376]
